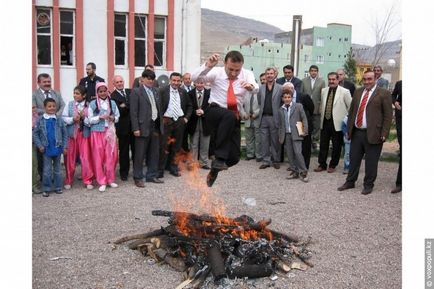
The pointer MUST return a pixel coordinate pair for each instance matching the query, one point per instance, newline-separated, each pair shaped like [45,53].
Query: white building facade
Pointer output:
[119,36]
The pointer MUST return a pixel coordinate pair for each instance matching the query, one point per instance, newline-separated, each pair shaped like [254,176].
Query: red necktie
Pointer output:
[361,110]
[232,100]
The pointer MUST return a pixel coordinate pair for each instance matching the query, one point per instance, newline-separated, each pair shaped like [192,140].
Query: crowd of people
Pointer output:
[199,114]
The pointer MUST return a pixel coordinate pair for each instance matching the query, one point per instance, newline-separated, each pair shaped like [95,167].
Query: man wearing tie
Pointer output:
[229,84]
[369,120]
[123,127]
[44,91]
[147,126]
[177,109]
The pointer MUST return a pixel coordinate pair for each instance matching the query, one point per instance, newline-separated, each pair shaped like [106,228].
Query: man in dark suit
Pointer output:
[90,81]
[123,127]
[176,108]
[369,120]
[147,126]
[196,128]
[288,76]
[344,82]
[397,102]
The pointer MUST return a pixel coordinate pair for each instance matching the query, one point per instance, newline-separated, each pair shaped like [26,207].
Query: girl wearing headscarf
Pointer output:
[103,113]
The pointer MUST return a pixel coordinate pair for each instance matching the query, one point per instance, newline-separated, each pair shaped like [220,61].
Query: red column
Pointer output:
[79,49]
[33,45]
[170,35]
[151,28]
[110,42]
[131,45]
[56,45]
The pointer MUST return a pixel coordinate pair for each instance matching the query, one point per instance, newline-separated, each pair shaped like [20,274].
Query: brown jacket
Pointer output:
[378,114]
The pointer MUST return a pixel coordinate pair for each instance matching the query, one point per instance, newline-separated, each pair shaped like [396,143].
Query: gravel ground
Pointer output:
[356,238]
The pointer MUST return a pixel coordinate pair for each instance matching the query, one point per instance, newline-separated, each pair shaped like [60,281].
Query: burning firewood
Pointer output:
[226,247]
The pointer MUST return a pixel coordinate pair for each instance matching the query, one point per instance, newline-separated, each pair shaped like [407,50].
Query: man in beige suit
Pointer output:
[312,85]
[369,120]
[334,106]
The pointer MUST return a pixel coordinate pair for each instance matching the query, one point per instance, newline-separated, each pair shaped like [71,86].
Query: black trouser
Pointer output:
[359,148]
[398,121]
[146,147]
[126,143]
[306,149]
[170,144]
[226,131]
[328,133]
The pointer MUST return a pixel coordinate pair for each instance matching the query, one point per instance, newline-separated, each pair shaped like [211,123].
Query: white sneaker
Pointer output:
[67,187]
[113,185]
[89,187]
[102,188]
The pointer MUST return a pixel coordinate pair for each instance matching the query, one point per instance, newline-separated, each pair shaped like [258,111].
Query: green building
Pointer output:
[326,47]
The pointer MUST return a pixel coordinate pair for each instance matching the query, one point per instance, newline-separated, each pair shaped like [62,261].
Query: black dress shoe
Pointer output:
[264,166]
[205,167]
[276,166]
[211,177]
[154,180]
[139,183]
[258,160]
[346,186]
[174,173]
[249,158]
[124,178]
[366,191]
[396,190]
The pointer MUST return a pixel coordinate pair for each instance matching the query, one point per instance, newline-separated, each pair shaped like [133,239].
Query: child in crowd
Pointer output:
[78,128]
[289,114]
[347,145]
[35,175]
[103,113]
[51,139]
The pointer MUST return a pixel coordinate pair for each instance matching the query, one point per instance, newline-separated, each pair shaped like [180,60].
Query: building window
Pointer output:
[320,41]
[320,59]
[346,39]
[120,39]
[306,58]
[160,41]
[306,73]
[43,36]
[66,37]
[140,40]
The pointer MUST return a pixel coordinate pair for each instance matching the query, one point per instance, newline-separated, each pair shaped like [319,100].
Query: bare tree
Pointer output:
[383,29]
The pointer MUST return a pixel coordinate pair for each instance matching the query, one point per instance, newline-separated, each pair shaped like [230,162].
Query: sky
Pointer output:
[362,15]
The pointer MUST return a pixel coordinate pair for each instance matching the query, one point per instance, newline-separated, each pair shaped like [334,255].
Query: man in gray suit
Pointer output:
[45,91]
[381,82]
[269,98]
[147,126]
[312,85]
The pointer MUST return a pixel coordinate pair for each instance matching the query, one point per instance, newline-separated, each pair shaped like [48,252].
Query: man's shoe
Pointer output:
[276,166]
[346,186]
[319,169]
[292,175]
[289,169]
[211,177]
[139,183]
[366,191]
[160,175]
[345,172]
[249,158]
[219,165]
[58,192]
[45,194]
[205,167]
[331,170]
[258,160]
[154,180]
[264,166]
[396,190]
[175,173]
[303,177]
[124,178]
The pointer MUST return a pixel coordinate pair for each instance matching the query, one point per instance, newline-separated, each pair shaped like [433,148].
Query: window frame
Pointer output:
[320,59]
[320,41]
[163,42]
[67,35]
[124,38]
[145,39]
[44,34]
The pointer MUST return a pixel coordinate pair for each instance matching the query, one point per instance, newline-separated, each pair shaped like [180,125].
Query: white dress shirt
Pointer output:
[220,82]
[364,123]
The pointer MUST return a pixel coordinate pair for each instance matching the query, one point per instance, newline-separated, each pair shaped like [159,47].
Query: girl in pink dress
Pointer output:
[103,113]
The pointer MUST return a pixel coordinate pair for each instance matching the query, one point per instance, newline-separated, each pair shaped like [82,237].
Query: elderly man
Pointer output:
[369,120]
[229,85]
